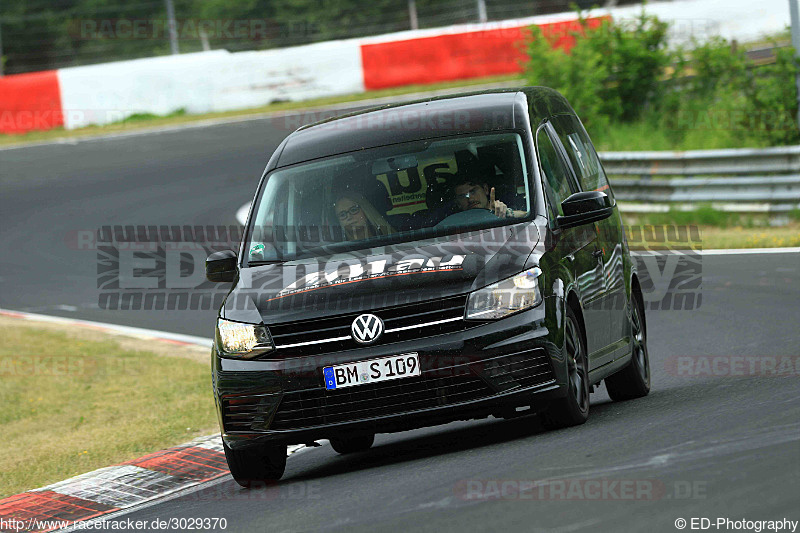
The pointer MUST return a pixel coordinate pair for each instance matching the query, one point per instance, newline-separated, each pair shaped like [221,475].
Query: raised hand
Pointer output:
[497,207]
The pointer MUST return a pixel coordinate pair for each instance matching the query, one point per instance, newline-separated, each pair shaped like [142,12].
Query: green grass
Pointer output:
[71,406]
[143,117]
[644,135]
[719,229]
[722,229]
[703,215]
[739,237]
[147,120]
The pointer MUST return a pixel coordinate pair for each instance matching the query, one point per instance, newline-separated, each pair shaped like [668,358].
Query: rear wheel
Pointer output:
[574,408]
[254,466]
[633,381]
[352,444]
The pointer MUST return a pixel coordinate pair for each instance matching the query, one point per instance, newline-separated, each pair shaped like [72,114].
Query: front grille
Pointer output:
[463,383]
[310,337]
[320,406]
[518,370]
[248,412]
[262,409]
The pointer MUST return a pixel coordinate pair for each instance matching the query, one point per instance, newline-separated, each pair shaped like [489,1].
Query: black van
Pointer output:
[416,264]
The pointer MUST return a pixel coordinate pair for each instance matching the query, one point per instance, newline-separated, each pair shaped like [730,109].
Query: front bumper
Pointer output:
[487,369]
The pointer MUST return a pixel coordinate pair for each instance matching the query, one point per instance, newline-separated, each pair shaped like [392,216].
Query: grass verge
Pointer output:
[643,135]
[739,237]
[146,120]
[712,231]
[74,403]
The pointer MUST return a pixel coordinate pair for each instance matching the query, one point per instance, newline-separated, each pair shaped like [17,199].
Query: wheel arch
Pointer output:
[636,291]
[574,303]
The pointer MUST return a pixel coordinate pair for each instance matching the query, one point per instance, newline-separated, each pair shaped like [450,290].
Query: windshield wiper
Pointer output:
[262,263]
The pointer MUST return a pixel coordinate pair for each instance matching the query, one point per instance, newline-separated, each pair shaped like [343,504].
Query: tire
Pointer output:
[256,466]
[354,444]
[573,409]
[633,381]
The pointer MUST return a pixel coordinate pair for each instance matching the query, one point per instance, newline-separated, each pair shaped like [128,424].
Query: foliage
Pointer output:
[611,72]
[621,77]
[772,100]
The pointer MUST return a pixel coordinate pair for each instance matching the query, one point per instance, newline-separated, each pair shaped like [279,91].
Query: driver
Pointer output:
[471,195]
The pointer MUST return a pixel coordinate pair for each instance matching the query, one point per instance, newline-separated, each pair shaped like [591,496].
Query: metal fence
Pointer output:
[47,34]
[746,180]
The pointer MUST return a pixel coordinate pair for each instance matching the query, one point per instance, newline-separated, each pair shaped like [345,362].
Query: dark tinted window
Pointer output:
[396,193]
[556,174]
[581,153]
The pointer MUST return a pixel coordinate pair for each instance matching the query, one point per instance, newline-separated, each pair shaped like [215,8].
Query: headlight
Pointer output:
[506,297]
[242,341]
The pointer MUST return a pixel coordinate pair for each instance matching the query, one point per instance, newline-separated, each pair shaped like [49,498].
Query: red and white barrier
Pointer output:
[30,102]
[208,81]
[469,53]
[221,81]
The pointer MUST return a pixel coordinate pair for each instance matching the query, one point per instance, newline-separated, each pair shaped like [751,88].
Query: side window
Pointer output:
[556,174]
[581,153]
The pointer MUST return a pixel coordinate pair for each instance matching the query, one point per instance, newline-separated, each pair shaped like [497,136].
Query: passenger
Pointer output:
[359,218]
[472,195]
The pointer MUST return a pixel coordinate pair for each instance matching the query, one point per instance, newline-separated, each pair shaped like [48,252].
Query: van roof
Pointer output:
[491,110]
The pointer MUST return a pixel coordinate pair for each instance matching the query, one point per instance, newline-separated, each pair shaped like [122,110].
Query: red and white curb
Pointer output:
[116,488]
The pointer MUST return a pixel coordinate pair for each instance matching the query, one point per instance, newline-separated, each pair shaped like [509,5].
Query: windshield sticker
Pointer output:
[406,187]
[371,270]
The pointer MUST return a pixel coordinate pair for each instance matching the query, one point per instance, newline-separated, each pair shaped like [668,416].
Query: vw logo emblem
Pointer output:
[366,329]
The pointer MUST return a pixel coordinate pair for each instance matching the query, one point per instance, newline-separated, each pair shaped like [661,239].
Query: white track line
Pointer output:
[129,331]
[747,251]
[731,251]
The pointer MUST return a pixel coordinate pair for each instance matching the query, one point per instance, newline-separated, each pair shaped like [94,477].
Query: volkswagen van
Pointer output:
[412,265]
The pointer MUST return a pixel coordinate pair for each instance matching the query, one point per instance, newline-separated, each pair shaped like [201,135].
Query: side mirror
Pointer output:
[221,266]
[585,207]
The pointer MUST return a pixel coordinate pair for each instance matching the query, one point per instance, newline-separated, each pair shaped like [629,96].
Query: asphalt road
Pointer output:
[705,443]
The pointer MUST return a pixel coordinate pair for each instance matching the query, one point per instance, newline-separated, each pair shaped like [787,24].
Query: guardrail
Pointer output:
[744,180]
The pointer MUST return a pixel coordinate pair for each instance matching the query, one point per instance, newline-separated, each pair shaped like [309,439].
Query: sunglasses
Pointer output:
[352,211]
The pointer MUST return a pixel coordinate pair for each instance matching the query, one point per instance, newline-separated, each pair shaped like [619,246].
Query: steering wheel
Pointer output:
[468,217]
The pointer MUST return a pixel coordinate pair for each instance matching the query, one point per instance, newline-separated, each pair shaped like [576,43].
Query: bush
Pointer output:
[710,95]
[612,71]
[705,93]
[772,100]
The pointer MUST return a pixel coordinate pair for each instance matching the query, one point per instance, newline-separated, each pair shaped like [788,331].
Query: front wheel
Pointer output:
[633,381]
[573,409]
[353,444]
[253,466]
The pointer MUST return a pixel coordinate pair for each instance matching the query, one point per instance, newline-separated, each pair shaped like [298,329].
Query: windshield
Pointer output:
[390,194]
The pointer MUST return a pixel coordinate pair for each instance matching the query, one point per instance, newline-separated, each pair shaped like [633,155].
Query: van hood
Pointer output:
[382,277]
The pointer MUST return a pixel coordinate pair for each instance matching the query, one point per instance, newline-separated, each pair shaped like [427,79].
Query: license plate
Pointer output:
[372,371]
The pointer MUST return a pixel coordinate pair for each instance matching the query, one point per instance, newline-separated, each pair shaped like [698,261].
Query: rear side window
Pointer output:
[581,153]
[556,174]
